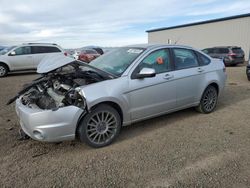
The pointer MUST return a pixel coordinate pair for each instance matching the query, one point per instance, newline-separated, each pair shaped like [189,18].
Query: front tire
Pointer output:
[208,100]
[3,70]
[100,127]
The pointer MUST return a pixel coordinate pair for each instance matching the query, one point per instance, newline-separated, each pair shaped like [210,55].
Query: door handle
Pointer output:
[168,76]
[200,70]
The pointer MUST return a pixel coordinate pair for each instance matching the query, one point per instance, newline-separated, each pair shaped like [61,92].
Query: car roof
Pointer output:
[40,44]
[37,43]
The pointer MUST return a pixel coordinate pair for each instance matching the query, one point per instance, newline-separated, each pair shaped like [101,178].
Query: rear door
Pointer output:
[188,75]
[22,59]
[222,53]
[39,52]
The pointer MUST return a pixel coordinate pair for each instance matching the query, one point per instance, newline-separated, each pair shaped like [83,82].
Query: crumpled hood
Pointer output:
[52,62]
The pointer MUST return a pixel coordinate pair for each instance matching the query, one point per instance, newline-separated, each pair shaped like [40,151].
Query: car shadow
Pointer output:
[140,128]
[144,127]
[12,74]
[231,96]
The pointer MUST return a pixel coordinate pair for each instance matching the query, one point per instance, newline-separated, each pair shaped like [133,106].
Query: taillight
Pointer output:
[65,53]
[231,54]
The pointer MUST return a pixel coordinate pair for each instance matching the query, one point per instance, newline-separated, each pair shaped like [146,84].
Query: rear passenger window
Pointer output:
[223,50]
[51,49]
[184,58]
[208,50]
[203,59]
[44,49]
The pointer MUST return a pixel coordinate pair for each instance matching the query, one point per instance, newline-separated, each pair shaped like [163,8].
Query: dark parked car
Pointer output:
[88,55]
[232,55]
[248,69]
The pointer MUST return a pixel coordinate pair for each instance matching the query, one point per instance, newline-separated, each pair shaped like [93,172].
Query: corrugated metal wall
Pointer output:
[224,33]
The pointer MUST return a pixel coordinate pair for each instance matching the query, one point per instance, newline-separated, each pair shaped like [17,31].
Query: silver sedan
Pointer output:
[93,101]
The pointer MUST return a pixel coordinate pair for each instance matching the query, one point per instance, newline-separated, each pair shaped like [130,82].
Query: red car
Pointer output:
[88,55]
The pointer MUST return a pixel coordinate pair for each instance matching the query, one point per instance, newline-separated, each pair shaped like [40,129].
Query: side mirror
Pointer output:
[146,73]
[13,53]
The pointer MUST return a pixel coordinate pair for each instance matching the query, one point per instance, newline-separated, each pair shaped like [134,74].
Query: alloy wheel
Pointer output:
[2,70]
[210,99]
[101,127]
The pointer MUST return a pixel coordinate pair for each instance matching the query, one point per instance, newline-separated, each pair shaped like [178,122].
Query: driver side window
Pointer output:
[158,60]
[23,50]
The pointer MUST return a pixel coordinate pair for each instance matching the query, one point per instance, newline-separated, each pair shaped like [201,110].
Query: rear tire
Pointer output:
[3,70]
[100,127]
[208,100]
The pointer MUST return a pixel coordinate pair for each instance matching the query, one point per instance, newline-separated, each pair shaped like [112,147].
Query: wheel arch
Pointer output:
[110,103]
[200,108]
[213,83]
[3,63]
[216,85]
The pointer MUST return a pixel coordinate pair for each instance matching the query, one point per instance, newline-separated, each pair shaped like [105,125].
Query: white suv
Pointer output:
[25,56]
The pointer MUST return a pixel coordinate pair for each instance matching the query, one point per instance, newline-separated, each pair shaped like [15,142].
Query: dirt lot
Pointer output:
[183,149]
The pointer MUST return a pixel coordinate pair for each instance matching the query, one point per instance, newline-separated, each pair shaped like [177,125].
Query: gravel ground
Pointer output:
[182,149]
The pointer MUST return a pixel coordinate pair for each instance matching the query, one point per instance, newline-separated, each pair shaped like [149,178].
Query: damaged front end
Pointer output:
[55,90]
[50,107]
[60,87]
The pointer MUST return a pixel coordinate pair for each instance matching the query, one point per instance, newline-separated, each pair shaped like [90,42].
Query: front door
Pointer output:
[152,96]
[22,59]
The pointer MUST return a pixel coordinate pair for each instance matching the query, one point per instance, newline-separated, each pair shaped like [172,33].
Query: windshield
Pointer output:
[117,61]
[7,49]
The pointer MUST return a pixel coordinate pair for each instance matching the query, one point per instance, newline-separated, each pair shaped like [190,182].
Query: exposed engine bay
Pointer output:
[60,87]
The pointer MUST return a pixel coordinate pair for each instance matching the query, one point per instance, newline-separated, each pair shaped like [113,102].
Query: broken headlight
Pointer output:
[75,97]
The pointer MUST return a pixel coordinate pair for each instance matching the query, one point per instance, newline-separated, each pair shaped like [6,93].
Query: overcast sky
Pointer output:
[77,23]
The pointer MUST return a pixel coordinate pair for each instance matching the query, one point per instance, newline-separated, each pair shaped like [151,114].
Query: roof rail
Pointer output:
[40,43]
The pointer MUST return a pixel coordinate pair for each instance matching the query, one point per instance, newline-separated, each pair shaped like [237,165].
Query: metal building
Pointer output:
[229,31]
